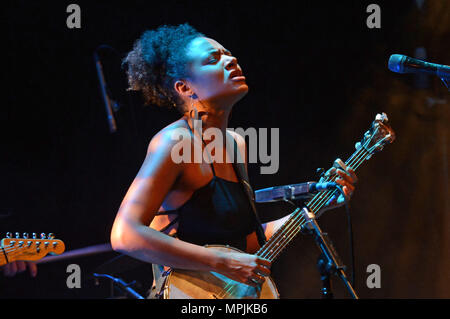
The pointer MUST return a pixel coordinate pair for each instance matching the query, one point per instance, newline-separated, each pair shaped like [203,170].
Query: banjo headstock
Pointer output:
[377,137]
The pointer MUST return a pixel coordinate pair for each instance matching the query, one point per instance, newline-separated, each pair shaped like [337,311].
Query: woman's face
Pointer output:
[214,75]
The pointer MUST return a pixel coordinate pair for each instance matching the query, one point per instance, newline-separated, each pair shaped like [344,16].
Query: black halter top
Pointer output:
[217,213]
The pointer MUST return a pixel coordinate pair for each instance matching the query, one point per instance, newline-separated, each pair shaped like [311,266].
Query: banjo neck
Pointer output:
[290,229]
[373,141]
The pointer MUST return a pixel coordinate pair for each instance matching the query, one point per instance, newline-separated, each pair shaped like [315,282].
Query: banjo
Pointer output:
[189,284]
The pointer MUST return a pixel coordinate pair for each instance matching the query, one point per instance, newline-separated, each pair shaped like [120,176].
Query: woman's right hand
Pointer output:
[242,267]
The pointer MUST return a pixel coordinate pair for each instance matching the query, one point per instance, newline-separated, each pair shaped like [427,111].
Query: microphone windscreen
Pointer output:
[395,63]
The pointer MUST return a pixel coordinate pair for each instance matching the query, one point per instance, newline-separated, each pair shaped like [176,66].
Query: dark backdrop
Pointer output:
[315,71]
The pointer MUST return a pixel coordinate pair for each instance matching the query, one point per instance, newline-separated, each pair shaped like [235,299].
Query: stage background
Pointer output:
[315,71]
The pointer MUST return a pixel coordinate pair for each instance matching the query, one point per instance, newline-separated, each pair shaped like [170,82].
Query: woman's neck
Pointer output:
[211,117]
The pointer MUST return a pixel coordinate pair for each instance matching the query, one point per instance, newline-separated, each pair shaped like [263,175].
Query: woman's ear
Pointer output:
[183,89]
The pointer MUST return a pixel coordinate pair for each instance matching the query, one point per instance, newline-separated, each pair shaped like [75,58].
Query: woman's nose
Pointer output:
[231,62]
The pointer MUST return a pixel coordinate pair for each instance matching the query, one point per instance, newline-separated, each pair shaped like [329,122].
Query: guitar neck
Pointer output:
[289,230]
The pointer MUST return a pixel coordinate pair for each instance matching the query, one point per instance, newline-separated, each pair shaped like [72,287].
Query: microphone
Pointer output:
[106,99]
[292,191]
[403,64]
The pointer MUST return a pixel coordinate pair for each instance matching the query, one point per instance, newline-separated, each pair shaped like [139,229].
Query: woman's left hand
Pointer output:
[347,179]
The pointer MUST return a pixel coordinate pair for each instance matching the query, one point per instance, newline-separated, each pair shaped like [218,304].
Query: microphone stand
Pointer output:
[329,261]
[324,270]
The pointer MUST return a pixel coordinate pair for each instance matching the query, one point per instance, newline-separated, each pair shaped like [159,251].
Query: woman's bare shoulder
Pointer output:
[168,136]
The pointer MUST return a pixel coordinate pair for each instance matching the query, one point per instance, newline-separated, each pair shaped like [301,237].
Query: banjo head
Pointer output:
[190,284]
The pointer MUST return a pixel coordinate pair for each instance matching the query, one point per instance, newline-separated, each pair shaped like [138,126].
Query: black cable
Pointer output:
[350,233]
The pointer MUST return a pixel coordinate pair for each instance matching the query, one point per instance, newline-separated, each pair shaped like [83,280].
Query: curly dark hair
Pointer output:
[157,60]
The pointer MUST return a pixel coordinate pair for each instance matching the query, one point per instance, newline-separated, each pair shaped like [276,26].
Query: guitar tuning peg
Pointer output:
[320,171]
[25,235]
[17,235]
[51,236]
[8,235]
[381,117]
[34,235]
[43,236]
[358,146]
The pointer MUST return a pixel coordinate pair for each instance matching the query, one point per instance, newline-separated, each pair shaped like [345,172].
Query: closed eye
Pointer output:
[212,60]
[214,56]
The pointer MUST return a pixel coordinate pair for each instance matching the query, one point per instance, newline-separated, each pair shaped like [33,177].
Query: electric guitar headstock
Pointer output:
[379,135]
[29,249]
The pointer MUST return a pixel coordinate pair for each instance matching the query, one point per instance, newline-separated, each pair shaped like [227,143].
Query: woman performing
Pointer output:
[172,209]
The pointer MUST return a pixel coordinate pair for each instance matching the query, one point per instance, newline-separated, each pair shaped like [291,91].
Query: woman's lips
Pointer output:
[238,78]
